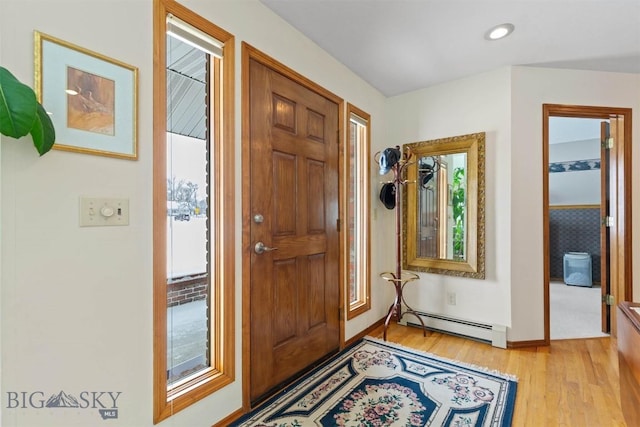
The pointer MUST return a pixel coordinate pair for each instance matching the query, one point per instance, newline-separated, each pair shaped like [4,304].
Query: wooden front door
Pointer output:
[294,291]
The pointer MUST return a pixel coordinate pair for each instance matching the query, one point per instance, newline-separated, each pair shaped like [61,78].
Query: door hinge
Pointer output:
[608,299]
[607,144]
[338,224]
[608,221]
[340,313]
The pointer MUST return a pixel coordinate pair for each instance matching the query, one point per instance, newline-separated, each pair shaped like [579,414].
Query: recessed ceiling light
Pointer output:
[499,31]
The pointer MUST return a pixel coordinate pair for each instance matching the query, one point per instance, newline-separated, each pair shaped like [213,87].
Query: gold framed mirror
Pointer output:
[443,207]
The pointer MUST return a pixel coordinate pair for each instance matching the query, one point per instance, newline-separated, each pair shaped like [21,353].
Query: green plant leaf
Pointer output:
[18,106]
[42,132]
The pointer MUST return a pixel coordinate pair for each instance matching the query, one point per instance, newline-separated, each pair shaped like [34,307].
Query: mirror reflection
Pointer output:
[441,203]
[443,213]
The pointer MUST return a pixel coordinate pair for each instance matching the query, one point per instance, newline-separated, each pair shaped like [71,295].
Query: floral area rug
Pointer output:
[376,383]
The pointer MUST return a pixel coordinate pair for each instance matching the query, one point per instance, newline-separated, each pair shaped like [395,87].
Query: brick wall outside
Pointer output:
[187,291]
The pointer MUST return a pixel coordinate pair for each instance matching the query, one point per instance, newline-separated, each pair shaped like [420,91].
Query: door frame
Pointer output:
[622,227]
[251,53]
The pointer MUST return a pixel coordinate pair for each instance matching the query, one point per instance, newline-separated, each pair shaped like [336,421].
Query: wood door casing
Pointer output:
[294,289]
[605,283]
[619,262]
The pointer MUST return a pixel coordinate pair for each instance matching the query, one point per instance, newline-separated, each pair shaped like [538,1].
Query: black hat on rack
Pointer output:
[426,176]
[388,158]
[388,195]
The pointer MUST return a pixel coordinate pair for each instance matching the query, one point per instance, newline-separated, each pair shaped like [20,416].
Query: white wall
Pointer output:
[76,310]
[76,303]
[532,87]
[575,187]
[574,150]
[477,104]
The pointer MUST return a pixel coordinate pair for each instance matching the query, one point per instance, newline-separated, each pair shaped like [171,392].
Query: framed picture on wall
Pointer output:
[91,98]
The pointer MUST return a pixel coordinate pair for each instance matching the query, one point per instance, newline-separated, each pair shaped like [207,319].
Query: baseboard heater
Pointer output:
[496,335]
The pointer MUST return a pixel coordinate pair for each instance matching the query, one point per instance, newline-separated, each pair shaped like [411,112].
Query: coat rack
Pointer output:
[397,278]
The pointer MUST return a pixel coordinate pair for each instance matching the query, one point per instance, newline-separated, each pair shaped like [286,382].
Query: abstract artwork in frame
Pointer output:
[91,98]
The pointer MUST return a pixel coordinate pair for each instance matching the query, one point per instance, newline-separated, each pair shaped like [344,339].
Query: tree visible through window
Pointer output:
[188,254]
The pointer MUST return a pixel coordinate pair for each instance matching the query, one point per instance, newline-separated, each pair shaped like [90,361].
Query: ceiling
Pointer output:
[186,89]
[403,45]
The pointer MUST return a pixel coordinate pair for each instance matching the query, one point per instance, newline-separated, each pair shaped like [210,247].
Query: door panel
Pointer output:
[316,203]
[285,295]
[316,300]
[428,221]
[613,275]
[294,184]
[284,171]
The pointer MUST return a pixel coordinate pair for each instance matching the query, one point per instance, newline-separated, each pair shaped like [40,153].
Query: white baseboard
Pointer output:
[496,335]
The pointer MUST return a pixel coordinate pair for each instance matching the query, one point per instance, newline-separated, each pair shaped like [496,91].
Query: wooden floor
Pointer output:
[570,383]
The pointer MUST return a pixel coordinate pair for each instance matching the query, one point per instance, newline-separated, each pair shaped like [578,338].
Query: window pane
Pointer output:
[193,215]
[186,206]
[353,288]
[188,255]
[358,166]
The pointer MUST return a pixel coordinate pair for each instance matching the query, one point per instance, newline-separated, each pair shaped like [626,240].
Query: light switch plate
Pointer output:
[101,212]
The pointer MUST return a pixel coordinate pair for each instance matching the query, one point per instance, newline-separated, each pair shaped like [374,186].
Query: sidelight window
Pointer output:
[193,213]
[358,207]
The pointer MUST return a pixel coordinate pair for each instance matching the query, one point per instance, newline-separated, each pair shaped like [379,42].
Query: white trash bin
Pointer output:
[577,269]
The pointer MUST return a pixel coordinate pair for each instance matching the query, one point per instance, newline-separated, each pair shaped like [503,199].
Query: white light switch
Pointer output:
[98,212]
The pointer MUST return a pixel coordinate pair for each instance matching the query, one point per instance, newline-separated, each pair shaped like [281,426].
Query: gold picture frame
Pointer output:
[91,98]
[472,264]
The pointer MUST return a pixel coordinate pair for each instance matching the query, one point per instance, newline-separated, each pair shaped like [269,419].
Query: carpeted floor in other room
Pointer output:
[575,311]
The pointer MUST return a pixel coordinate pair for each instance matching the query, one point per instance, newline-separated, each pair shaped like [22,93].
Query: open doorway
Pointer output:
[574,227]
[586,218]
